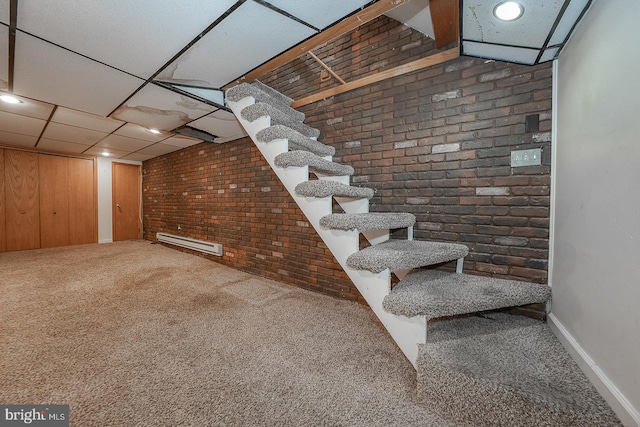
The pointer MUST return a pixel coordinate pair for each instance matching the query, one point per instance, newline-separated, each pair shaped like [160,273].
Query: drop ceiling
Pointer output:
[95,76]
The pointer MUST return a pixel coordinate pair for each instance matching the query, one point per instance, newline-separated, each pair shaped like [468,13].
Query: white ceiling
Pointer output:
[95,75]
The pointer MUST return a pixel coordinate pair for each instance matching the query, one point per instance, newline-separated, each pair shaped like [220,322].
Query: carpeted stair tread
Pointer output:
[367,221]
[316,164]
[297,141]
[405,254]
[434,293]
[244,90]
[260,109]
[327,188]
[272,92]
[503,370]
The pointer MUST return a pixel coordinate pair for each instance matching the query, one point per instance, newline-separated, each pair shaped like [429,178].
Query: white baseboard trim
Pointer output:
[105,241]
[629,416]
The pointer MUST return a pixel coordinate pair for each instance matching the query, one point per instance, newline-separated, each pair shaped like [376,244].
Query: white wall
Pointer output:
[105,213]
[596,221]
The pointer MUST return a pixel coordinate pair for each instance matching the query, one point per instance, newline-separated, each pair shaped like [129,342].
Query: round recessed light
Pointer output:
[10,99]
[508,11]
[106,153]
[154,131]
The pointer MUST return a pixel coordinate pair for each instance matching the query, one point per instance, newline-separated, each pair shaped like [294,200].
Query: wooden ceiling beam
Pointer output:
[416,65]
[349,24]
[445,19]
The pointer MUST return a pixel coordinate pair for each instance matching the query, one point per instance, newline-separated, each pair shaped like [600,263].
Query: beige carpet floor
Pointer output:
[137,334]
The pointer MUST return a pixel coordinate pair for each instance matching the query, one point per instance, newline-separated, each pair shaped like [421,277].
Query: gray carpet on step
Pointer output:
[260,109]
[367,221]
[435,293]
[502,370]
[405,254]
[327,188]
[297,141]
[244,90]
[299,158]
[272,92]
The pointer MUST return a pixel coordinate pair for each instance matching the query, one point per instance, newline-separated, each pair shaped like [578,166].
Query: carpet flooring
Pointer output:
[137,334]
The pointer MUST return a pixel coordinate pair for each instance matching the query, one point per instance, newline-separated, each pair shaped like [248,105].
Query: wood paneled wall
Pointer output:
[46,200]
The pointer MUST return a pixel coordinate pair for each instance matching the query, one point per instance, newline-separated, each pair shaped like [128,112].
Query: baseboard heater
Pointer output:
[186,242]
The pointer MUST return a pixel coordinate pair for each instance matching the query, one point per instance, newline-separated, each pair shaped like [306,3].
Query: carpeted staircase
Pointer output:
[423,297]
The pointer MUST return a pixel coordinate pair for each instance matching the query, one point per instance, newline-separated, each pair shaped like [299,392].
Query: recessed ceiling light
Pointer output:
[154,131]
[106,153]
[10,99]
[508,11]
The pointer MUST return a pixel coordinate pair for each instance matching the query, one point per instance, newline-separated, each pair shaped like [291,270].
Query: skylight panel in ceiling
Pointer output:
[320,14]
[246,38]
[46,72]
[120,32]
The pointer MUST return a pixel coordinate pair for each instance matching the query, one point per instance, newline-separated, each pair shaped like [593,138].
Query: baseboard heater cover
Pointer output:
[186,242]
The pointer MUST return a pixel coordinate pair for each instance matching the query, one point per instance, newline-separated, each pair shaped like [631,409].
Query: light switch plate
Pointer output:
[531,157]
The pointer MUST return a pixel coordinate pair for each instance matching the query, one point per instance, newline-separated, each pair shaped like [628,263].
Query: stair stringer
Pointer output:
[407,332]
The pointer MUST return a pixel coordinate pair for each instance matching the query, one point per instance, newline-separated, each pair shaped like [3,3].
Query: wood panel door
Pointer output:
[54,201]
[126,202]
[3,232]
[22,200]
[82,202]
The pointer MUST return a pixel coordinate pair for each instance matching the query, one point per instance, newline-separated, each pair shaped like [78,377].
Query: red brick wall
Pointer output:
[227,193]
[435,143]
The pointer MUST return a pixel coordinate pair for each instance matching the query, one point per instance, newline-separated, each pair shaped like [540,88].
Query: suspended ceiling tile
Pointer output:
[61,146]
[4,12]
[138,157]
[49,73]
[135,36]
[245,39]
[159,149]
[29,108]
[549,54]
[181,141]
[123,143]
[162,109]
[221,123]
[319,13]
[76,135]
[17,139]
[22,125]
[212,95]
[140,132]
[530,30]
[569,18]
[4,53]
[503,53]
[66,116]
[99,151]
